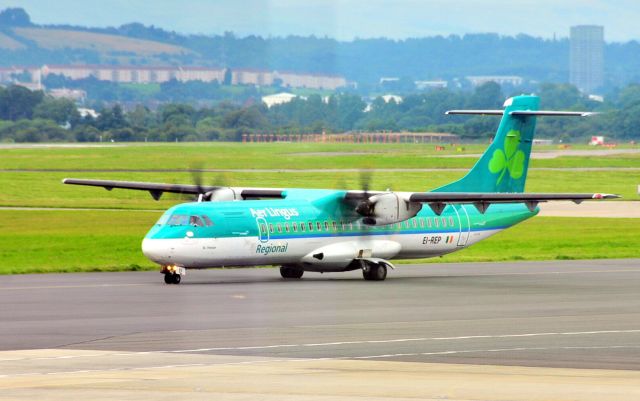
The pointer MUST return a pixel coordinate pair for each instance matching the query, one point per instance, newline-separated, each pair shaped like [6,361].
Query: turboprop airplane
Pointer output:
[323,230]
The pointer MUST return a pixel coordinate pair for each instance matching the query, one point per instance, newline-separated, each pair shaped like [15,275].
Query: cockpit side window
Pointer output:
[195,221]
[207,220]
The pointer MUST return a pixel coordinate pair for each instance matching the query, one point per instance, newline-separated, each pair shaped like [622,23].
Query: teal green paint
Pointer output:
[231,218]
[503,167]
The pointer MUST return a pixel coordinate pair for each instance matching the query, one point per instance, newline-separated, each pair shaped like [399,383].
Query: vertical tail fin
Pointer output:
[503,166]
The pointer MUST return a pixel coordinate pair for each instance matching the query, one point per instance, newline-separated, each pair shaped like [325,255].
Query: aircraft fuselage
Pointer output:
[314,237]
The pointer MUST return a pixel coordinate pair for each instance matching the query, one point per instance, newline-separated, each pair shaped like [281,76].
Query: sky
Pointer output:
[347,19]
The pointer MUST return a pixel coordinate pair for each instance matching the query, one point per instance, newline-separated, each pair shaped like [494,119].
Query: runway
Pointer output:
[562,330]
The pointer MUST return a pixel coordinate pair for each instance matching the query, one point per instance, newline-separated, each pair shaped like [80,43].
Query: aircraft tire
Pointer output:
[170,278]
[291,272]
[375,272]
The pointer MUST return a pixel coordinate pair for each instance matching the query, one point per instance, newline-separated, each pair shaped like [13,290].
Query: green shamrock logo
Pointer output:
[511,159]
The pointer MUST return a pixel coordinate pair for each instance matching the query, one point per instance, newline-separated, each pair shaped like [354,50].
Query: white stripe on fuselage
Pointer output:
[250,251]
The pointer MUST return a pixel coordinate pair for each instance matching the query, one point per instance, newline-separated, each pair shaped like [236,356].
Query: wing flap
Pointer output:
[437,201]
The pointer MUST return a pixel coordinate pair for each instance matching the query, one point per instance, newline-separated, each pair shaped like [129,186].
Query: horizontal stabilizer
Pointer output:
[538,113]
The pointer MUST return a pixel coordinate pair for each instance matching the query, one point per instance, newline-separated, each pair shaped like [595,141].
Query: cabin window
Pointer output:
[343,225]
[178,220]
[279,227]
[421,222]
[286,227]
[207,220]
[451,221]
[415,223]
[351,226]
[335,226]
[295,227]
[319,226]
[436,221]
[263,227]
[271,228]
[444,222]
[429,222]
[326,226]
[310,226]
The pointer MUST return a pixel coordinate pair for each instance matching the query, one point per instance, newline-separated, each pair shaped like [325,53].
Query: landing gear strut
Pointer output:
[291,272]
[374,271]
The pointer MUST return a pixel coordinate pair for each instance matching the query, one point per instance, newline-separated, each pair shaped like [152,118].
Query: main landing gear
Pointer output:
[374,271]
[291,272]
[173,274]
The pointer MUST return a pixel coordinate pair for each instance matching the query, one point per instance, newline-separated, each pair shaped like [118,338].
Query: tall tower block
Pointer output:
[586,64]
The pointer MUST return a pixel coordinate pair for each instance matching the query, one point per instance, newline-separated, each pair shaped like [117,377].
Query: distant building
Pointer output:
[386,80]
[278,98]
[422,85]
[84,112]
[150,75]
[540,141]
[477,80]
[287,79]
[135,74]
[77,95]
[395,98]
[586,57]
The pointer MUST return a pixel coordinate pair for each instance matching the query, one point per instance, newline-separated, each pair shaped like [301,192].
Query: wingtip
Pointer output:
[606,196]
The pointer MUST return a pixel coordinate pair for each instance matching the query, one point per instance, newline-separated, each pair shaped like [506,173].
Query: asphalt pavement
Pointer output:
[573,317]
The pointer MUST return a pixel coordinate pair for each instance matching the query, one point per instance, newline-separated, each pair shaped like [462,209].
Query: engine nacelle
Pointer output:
[388,208]
[223,194]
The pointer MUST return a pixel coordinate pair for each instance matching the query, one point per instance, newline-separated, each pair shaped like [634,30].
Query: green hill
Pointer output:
[106,47]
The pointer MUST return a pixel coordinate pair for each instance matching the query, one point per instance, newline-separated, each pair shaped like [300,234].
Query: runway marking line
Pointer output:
[327,344]
[281,360]
[50,287]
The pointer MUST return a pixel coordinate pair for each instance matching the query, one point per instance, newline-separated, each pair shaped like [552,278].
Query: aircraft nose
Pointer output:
[153,250]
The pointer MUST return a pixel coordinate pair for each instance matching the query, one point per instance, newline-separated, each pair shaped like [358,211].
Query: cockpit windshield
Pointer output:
[185,220]
[178,220]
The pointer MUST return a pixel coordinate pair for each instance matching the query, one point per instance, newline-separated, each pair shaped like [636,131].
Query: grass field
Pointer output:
[277,156]
[46,190]
[66,241]
[89,240]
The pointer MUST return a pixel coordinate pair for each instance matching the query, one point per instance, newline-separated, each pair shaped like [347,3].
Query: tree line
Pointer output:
[361,60]
[32,116]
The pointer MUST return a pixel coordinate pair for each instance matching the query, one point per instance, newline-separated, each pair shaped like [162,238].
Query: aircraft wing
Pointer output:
[157,189]
[482,200]
[384,207]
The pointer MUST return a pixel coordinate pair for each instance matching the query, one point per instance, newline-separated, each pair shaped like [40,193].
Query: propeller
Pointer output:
[204,193]
[365,207]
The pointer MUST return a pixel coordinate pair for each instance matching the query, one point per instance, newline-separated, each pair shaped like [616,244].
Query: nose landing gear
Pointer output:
[173,274]
[171,278]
